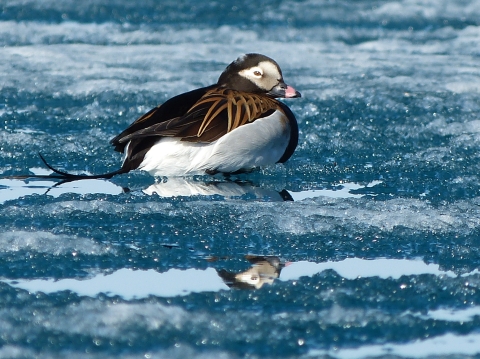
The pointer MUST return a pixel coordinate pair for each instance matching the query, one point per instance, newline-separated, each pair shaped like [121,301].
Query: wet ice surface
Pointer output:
[365,244]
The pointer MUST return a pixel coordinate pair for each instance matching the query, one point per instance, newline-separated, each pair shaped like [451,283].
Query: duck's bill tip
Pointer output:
[290,92]
[284,90]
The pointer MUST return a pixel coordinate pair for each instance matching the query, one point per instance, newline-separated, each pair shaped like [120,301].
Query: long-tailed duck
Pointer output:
[232,126]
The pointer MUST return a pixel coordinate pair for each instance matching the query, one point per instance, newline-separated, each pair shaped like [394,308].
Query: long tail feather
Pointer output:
[65,176]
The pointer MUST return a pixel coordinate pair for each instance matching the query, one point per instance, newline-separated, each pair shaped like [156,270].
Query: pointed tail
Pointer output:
[65,176]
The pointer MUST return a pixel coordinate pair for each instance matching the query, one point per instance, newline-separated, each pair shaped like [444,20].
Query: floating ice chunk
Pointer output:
[343,191]
[131,284]
[45,242]
[12,189]
[352,268]
[453,315]
[440,346]
[320,215]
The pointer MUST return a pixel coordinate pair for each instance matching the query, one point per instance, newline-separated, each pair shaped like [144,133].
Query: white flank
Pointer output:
[260,143]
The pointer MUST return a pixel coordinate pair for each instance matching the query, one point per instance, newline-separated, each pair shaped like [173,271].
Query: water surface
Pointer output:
[365,244]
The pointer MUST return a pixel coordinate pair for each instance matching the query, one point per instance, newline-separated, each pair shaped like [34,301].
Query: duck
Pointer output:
[233,126]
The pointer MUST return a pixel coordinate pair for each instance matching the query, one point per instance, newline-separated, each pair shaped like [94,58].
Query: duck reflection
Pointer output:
[11,189]
[264,270]
[131,283]
[230,189]
[267,189]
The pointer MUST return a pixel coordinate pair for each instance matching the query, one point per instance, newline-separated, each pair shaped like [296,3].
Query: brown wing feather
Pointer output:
[223,111]
[174,108]
[218,112]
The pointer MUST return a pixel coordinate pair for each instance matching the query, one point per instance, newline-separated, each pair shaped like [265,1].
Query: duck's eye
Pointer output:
[257,73]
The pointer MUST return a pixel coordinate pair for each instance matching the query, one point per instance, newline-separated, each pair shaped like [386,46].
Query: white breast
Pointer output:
[259,143]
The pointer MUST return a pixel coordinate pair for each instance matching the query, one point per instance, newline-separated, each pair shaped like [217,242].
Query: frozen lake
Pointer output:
[365,244]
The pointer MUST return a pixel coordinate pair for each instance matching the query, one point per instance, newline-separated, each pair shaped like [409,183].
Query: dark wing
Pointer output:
[293,142]
[173,108]
[216,113]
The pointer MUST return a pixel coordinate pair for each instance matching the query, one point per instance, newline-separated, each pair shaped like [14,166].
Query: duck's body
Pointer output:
[232,126]
[259,143]
[223,131]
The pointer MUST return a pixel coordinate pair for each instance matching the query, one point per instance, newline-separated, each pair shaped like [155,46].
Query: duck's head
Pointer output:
[256,73]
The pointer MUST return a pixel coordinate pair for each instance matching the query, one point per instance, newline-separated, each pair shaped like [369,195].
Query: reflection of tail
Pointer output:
[69,176]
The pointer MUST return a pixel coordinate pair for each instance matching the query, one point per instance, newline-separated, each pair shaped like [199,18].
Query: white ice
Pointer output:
[439,346]
[131,284]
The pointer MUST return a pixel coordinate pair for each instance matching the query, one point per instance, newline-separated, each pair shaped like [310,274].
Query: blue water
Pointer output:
[366,243]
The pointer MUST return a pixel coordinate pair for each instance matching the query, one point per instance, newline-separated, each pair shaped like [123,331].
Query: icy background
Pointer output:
[381,244]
